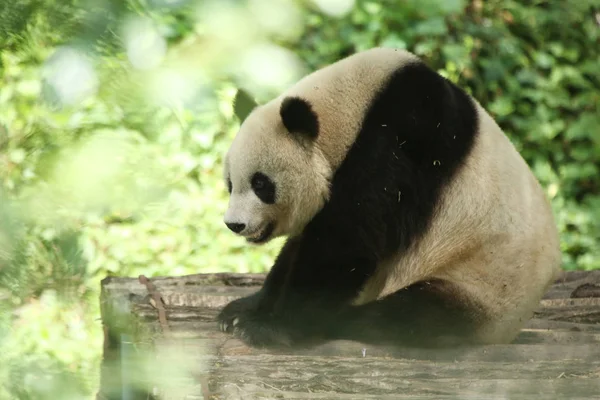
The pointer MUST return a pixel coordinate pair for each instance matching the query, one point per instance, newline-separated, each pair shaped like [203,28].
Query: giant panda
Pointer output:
[410,218]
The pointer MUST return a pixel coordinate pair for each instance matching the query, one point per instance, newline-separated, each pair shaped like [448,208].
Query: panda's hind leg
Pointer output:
[426,314]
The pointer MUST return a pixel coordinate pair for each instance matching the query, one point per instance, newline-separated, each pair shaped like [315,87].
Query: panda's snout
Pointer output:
[235,227]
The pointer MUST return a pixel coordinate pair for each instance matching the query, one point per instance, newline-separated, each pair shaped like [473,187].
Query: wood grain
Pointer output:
[556,356]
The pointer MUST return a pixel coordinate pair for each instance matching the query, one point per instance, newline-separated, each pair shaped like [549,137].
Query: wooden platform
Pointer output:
[176,352]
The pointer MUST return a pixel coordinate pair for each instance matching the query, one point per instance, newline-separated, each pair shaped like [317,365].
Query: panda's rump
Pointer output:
[492,243]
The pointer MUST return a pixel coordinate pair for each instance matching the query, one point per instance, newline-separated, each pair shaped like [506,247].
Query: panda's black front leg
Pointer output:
[304,296]
[228,317]
[256,327]
[254,322]
[253,318]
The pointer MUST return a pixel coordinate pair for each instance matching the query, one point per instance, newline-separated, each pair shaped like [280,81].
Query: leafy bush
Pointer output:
[533,65]
[114,117]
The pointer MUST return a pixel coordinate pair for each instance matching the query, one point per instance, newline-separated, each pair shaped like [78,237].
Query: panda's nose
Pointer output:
[235,227]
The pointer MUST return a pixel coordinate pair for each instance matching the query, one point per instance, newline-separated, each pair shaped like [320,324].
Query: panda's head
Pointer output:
[277,177]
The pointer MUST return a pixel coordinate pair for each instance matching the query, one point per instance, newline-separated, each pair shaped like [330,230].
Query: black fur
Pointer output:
[298,116]
[414,137]
[263,187]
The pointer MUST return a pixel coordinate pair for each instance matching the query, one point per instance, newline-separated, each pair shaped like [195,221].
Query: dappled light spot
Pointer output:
[70,75]
[146,47]
[335,8]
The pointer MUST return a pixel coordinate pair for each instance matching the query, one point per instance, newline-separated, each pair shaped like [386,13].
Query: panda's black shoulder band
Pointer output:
[298,116]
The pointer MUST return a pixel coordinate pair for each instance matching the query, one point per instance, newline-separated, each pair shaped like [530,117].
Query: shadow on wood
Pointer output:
[161,342]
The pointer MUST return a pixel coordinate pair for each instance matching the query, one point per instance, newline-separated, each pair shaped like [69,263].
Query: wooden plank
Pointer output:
[557,355]
[244,393]
[206,330]
[328,388]
[538,323]
[488,353]
[188,297]
[557,336]
[388,377]
[185,290]
[334,372]
[216,290]
[562,287]
[570,281]
[334,376]
[578,310]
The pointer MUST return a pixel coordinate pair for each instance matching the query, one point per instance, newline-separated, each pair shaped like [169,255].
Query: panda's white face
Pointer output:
[277,180]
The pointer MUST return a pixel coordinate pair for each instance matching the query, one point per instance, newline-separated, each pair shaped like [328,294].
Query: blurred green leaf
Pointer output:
[243,104]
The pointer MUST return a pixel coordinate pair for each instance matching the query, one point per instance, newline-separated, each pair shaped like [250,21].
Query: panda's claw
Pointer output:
[234,315]
[254,330]
[224,327]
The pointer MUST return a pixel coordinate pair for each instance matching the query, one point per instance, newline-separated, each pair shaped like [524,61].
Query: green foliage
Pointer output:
[533,65]
[115,116]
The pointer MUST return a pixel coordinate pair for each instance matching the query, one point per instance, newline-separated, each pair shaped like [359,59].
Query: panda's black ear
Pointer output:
[243,104]
[298,117]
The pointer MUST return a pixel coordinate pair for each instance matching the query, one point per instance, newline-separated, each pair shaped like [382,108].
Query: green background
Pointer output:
[115,115]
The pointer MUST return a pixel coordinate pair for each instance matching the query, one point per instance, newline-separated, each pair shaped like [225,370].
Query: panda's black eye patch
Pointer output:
[229,185]
[263,187]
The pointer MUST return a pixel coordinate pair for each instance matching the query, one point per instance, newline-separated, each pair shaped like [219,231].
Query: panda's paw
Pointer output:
[241,318]
[260,331]
[229,317]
